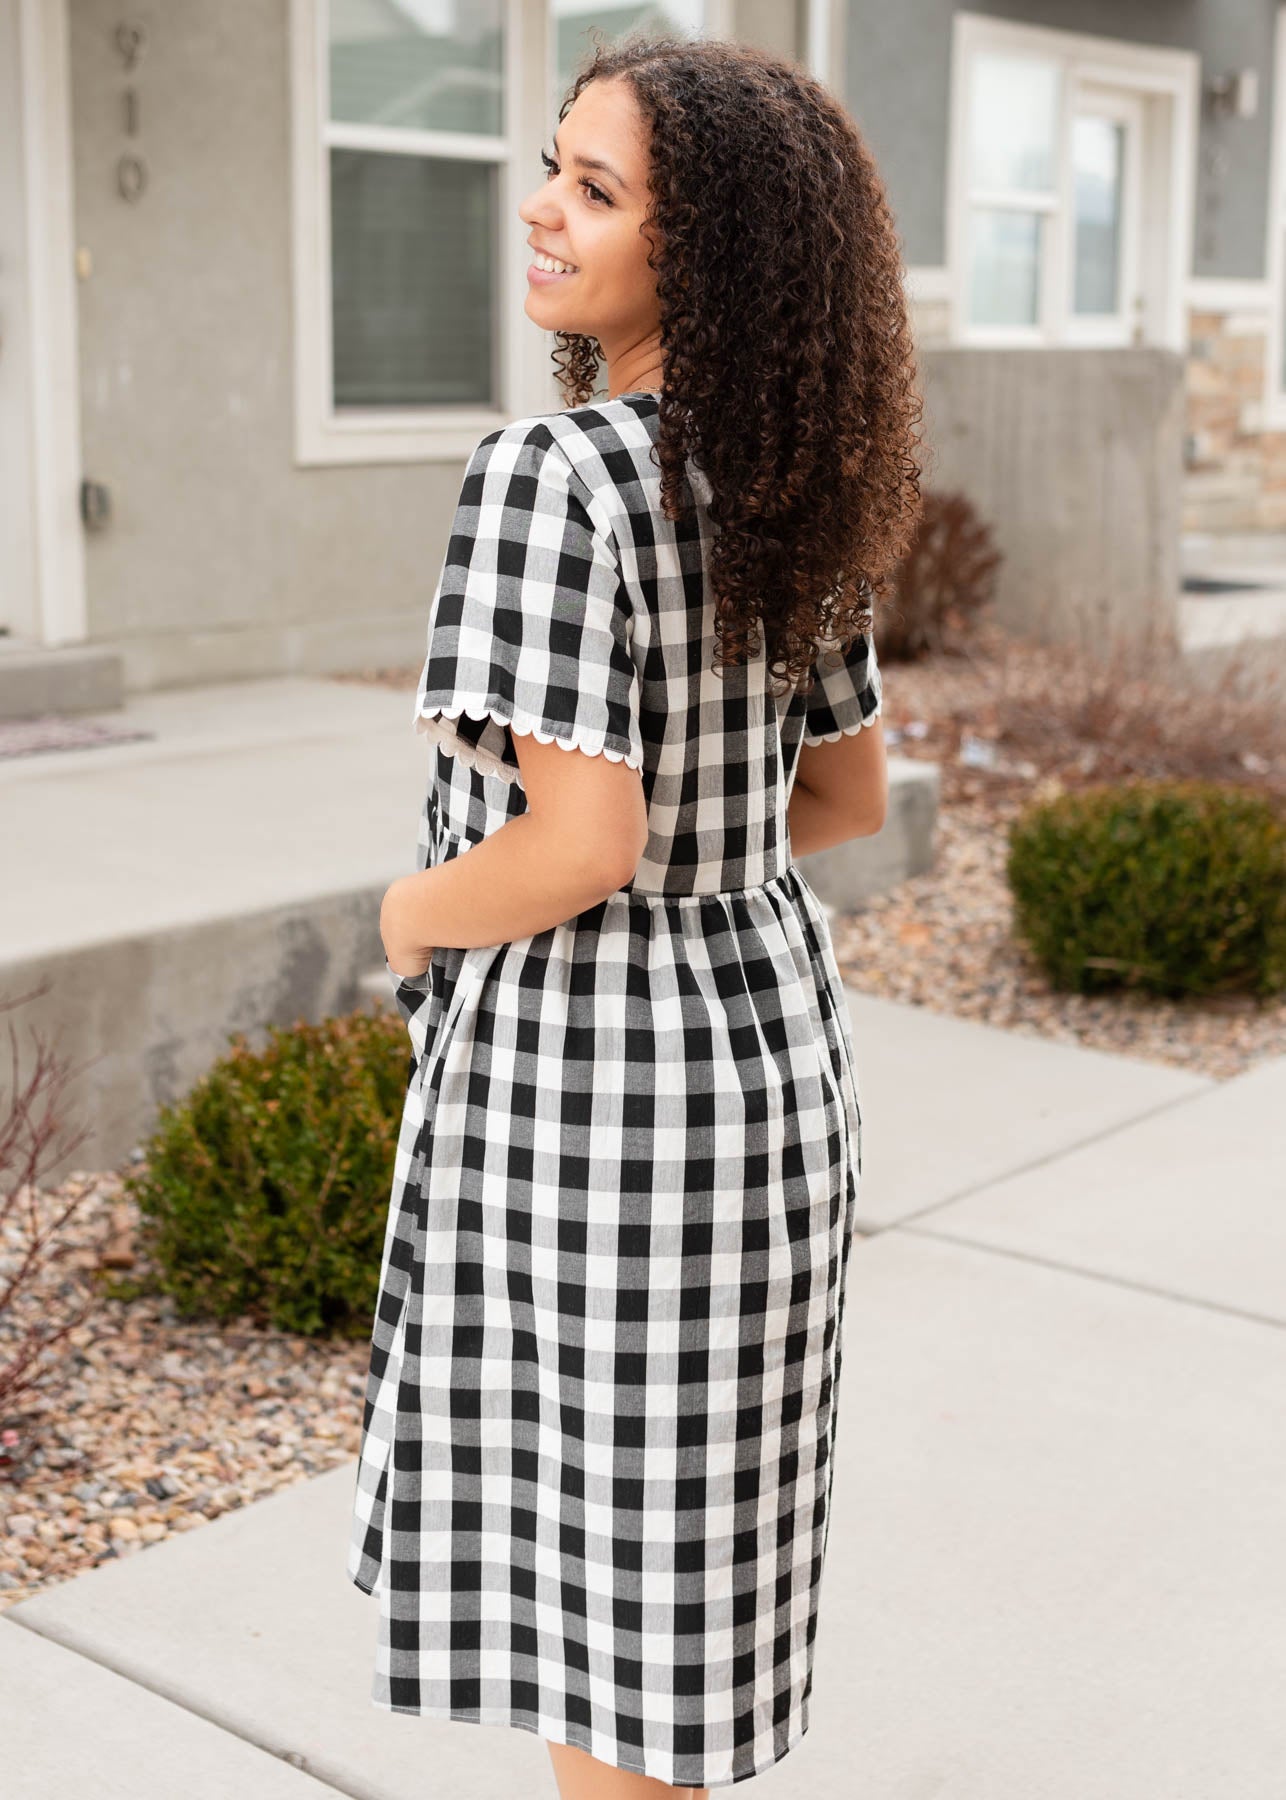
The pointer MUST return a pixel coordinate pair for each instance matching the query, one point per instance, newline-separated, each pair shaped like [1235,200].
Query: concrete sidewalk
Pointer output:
[1056,1571]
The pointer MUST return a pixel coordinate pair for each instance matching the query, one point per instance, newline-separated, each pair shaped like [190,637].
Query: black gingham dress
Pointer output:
[594,1484]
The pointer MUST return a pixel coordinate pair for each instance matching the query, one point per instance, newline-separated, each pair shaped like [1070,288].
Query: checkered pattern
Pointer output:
[594,1487]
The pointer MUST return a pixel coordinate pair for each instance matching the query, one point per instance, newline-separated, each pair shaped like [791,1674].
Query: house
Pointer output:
[262,281]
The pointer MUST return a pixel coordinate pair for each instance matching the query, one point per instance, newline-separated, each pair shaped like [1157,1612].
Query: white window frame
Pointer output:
[1142,69]
[525,378]
[1275,259]
[524,375]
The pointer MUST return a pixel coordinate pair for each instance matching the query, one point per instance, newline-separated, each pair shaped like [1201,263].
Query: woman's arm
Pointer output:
[841,790]
[580,840]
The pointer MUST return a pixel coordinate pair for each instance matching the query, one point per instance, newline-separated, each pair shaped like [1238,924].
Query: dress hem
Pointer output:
[514,1722]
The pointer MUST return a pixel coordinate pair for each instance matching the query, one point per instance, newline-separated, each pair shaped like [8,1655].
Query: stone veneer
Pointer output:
[1234,469]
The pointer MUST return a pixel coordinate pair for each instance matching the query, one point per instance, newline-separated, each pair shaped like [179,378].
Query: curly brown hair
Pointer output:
[788,362]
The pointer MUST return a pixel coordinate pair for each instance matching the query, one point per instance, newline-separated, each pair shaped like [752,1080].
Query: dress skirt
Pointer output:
[599,1435]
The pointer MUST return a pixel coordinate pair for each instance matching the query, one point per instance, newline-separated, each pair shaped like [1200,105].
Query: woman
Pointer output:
[594,1488]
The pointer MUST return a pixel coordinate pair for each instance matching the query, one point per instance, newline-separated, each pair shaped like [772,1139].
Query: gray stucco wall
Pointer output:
[897,88]
[222,557]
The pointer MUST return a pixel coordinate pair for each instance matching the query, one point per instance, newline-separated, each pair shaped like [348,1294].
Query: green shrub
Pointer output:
[1174,887]
[265,1192]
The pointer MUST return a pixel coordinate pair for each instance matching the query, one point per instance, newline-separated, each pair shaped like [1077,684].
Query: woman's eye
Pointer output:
[590,187]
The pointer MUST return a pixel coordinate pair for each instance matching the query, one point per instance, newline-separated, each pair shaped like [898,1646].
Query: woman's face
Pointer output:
[592,219]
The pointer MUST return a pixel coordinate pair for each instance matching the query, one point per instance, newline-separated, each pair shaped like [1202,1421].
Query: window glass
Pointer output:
[412,252]
[1097,155]
[1013,122]
[1004,271]
[574,25]
[419,64]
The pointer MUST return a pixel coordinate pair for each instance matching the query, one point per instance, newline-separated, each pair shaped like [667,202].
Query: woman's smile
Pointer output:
[539,274]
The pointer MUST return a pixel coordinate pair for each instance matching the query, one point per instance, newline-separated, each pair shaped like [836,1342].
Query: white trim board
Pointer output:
[1215,293]
[44,328]
[927,281]
[1274,407]
[1204,293]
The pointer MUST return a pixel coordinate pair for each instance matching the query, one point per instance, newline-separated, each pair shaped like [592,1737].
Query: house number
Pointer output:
[131,171]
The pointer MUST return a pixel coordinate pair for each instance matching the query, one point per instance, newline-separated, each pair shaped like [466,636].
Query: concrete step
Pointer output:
[848,875]
[225,873]
[76,679]
[1238,623]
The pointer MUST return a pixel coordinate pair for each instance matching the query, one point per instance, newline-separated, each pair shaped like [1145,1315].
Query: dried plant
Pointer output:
[1123,704]
[942,584]
[36,1313]
[1092,701]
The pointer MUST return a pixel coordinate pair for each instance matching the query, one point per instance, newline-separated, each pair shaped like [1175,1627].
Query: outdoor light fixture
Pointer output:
[1236,95]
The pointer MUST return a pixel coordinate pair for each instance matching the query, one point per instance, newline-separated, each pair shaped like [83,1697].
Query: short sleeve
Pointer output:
[845,696]
[530,628]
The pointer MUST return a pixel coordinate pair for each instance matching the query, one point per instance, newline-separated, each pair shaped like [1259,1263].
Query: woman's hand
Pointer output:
[408,956]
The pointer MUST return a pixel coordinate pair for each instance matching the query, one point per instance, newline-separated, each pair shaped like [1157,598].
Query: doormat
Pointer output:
[53,731]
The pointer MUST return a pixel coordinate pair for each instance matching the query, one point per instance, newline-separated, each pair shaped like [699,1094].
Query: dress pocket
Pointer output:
[418,1001]
[410,992]
[431,1003]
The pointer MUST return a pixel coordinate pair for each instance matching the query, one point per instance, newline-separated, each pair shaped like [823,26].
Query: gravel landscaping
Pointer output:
[1011,724]
[149,1425]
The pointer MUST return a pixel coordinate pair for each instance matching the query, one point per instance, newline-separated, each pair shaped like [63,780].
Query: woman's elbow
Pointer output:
[605,867]
[872,813]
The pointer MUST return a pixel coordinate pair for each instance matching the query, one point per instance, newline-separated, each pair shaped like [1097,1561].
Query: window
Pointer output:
[412,218]
[416,133]
[1065,151]
[407,176]
[1013,184]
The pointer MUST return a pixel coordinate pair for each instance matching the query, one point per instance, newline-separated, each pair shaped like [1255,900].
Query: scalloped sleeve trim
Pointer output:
[438,722]
[840,709]
[832,737]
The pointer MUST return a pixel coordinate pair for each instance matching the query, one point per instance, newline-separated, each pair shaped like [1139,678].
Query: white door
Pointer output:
[1104,300]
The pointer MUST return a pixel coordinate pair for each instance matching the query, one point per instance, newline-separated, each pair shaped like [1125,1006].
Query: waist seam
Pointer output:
[754,887]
